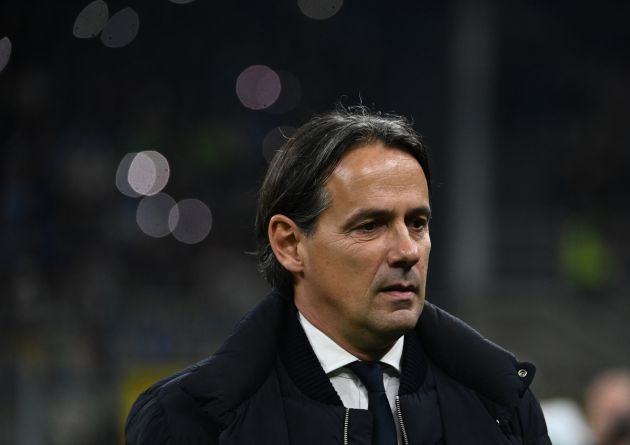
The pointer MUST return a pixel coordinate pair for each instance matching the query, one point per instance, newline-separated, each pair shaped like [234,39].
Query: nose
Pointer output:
[404,251]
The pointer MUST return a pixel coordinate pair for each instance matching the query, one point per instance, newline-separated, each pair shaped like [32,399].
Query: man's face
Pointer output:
[365,264]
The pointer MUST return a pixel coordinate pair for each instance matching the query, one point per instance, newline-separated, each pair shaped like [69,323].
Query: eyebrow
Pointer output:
[369,213]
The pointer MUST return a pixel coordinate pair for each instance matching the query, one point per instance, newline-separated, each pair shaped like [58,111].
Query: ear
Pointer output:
[284,237]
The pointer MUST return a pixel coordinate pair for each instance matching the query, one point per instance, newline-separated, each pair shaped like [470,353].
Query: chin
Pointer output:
[401,321]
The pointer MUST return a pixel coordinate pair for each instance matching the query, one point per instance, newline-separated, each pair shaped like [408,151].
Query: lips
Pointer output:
[400,287]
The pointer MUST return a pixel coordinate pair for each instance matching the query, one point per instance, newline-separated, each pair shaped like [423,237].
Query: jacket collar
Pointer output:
[302,364]
[453,346]
[267,331]
[242,363]
[466,356]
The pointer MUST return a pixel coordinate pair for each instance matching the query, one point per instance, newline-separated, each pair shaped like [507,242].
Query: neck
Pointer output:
[364,347]
[371,355]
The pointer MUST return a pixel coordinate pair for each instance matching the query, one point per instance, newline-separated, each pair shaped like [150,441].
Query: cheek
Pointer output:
[335,264]
[353,254]
[352,268]
[365,260]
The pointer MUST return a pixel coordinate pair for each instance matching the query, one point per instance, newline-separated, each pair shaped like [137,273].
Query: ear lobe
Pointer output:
[284,237]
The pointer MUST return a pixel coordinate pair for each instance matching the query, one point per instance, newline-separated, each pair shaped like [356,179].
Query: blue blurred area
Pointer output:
[524,104]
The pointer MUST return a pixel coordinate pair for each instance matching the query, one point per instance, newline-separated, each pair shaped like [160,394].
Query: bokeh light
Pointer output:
[320,9]
[142,173]
[258,87]
[121,29]
[190,221]
[148,172]
[276,139]
[162,171]
[5,52]
[91,20]
[290,93]
[153,214]
[122,176]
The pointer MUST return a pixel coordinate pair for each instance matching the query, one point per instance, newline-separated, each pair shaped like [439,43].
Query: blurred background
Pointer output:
[134,136]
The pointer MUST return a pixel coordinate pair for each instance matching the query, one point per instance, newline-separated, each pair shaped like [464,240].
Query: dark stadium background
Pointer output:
[525,105]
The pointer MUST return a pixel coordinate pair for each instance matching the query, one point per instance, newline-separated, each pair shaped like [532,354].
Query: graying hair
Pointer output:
[294,185]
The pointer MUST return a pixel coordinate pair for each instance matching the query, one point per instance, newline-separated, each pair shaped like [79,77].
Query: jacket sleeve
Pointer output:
[166,415]
[532,421]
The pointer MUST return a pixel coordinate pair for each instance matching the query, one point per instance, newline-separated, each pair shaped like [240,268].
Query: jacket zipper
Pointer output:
[403,431]
[346,422]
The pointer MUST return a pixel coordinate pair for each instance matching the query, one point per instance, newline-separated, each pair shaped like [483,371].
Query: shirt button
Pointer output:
[522,373]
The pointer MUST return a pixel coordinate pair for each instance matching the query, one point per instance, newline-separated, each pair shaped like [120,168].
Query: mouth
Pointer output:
[401,290]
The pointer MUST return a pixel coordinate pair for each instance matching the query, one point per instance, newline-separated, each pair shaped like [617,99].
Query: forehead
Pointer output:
[374,172]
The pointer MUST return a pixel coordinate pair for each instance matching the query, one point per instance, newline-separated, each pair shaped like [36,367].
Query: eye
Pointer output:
[367,227]
[419,223]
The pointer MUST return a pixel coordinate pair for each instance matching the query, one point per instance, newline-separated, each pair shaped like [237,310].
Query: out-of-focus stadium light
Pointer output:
[121,29]
[258,87]
[190,221]
[122,174]
[320,9]
[142,173]
[275,139]
[91,20]
[290,93]
[5,52]
[153,214]
[148,173]
[162,171]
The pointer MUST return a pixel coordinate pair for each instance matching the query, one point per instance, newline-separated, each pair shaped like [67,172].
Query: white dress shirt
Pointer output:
[351,390]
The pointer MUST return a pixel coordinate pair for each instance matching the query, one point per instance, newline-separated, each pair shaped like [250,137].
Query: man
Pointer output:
[346,350]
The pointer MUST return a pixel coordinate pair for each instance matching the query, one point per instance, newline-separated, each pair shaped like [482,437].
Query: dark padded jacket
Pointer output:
[265,386]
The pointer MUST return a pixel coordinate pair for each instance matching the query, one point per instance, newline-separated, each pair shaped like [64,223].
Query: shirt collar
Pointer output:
[332,356]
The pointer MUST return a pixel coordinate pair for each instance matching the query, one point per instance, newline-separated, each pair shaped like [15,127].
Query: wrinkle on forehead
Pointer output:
[376,175]
[388,167]
[357,166]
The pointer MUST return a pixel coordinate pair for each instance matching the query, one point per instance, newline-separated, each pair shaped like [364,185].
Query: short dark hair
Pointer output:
[294,185]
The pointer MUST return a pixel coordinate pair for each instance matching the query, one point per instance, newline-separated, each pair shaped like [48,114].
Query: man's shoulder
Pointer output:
[160,412]
[200,398]
[467,363]
[466,356]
